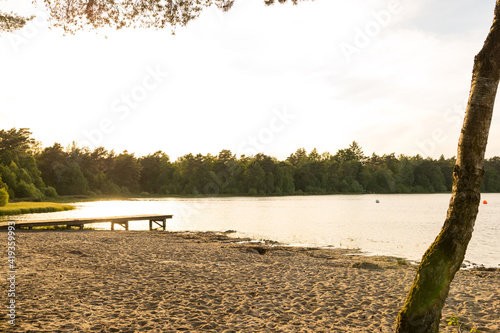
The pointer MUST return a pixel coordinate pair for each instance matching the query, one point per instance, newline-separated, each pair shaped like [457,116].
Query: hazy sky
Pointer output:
[392,75]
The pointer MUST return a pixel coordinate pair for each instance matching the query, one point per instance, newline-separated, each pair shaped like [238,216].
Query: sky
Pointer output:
[392,75]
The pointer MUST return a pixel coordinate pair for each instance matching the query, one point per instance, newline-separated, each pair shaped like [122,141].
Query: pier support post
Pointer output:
[161,223]
[123,224]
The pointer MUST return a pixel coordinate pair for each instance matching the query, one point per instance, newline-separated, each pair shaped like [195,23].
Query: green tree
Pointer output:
[446,166]
[194,175]
[428,175]
[491,179]
[61,170]
[51,162]
[4,197]
[103,185]
[165,176]
[384,181]
[227,172]
[353,153]
[285,179]
[18,166]
[424,303]
[307,170]
[154,172]
[15,143]
[72,180]
[405,174]
[256,178]
[4,194]
[126,172]
[10,22]
[298,158]
[9,177]
[75,15]
[270,188]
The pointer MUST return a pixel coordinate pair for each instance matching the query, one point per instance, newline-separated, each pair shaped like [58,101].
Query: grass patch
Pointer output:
[17,208]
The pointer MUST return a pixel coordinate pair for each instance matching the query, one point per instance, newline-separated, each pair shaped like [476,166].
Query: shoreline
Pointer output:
[126,281]
[466,265]
[90,198]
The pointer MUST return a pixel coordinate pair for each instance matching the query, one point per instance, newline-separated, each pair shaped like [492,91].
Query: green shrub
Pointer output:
[4,197]
[401,188]
[164,190]
[417,189]
[233,191]
[355,187]
[125,190]
[111,189]
[25,190]
[50,192]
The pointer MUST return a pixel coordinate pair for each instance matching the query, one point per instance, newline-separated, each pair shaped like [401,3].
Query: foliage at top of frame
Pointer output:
[74,15]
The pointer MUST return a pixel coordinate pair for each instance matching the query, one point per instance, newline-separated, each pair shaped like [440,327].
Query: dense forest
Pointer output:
[29,171]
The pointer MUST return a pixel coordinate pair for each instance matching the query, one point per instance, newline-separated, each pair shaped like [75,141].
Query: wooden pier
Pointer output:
[123,221]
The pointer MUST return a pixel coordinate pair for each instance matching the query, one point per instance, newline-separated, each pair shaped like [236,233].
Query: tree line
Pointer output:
[29,171]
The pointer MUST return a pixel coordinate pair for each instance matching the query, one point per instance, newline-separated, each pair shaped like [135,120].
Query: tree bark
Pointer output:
[424,303]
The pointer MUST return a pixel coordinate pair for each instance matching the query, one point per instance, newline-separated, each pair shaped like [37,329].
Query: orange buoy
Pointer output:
[485,202]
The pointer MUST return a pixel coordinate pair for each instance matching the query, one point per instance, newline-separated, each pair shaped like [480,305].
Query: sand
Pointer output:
[137,281]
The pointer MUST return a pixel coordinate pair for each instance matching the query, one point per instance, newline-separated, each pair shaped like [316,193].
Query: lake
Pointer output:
[400,225]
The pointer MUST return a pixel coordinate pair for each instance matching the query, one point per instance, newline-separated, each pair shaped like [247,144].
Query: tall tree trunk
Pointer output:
[422,309]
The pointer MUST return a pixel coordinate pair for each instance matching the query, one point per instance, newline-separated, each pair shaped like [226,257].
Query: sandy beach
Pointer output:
[137,281]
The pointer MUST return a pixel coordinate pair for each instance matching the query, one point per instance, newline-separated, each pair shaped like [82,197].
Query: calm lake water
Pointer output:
[400,225]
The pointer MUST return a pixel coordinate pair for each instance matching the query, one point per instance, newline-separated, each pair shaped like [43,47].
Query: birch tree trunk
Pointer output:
[422,309]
